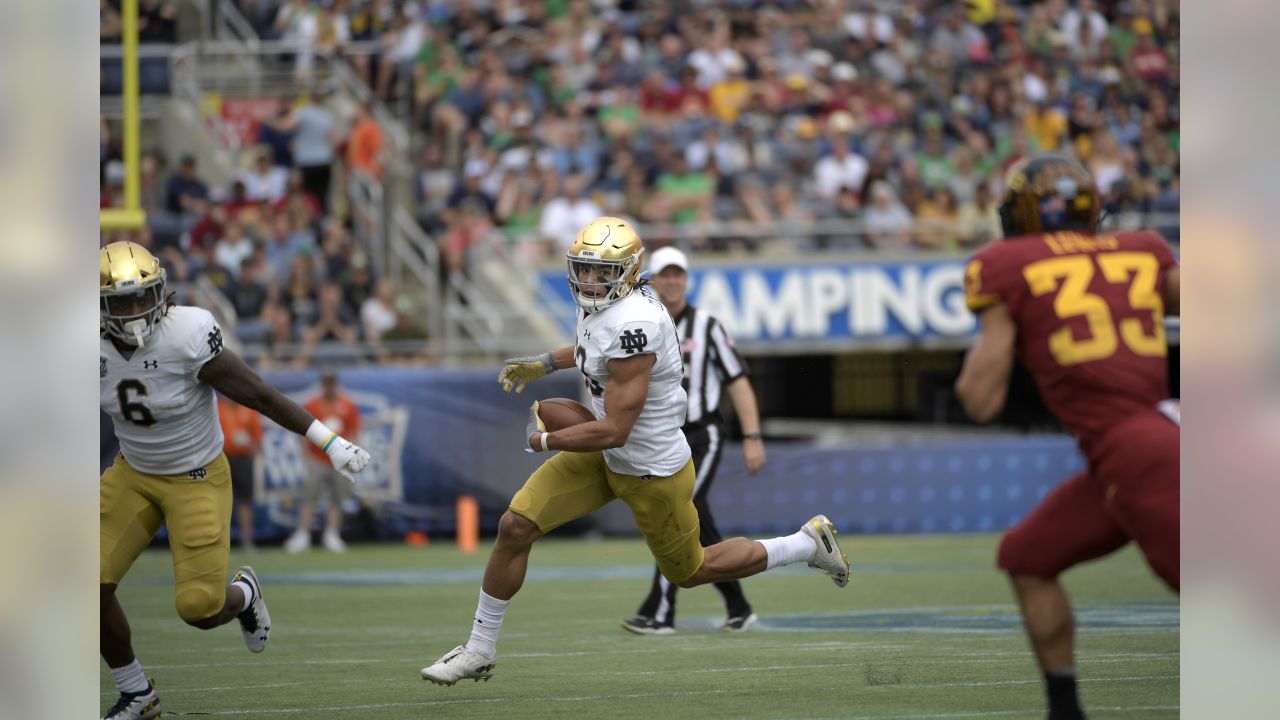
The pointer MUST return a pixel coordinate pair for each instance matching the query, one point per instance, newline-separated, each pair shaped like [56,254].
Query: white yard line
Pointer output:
[166,691]
[942,658]
[1031,712]
[1036,681]
[633,696]
[431,703]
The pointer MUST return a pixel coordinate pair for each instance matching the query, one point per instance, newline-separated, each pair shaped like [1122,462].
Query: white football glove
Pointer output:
[521,371]
[347,458]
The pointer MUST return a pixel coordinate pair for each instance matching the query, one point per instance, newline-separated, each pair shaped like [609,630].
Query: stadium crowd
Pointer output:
[899,115]
[535,117]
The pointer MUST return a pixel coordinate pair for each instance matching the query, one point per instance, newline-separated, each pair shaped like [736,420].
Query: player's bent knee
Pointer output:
[1017,558]
[517,530]
[691,582]
[682,579]
[197,606]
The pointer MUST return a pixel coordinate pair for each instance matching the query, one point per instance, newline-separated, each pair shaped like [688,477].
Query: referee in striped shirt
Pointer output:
[710,365]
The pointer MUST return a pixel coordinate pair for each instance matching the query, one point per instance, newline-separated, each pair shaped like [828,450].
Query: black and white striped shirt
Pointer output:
[710,363]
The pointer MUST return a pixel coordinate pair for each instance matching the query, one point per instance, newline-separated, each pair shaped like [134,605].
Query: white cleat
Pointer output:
[830,559]
[255,621]
[143,705]
[298,542]
[459,664]
[739,623]
[333,542]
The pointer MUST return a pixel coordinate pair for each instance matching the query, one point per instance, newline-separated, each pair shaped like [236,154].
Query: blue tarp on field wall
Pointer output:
[964,486]
[435,434]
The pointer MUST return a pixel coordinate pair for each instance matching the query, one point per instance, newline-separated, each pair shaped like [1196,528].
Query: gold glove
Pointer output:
[519,372]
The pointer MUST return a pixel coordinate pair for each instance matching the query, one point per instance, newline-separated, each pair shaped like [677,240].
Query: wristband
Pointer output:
[543,441]
[321,436]
[753,436]
[548,363]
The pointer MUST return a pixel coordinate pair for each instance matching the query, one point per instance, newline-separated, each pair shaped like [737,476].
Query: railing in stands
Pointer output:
[414,252]
[231,24]
[690,234]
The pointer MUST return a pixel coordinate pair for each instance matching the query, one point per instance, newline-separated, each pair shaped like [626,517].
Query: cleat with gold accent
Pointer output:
[144,705]
[829,558]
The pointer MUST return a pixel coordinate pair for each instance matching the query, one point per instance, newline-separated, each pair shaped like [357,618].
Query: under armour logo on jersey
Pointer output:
[215,340]
[633,341]
[150,364]
[198,474]
[102,367]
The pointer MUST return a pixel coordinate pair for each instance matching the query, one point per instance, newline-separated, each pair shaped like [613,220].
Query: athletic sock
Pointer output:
[487,623]
[1064,703]
[247,589]
[789,549]
[130,678]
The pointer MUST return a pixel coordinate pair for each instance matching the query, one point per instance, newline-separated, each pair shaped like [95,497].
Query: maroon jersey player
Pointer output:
[1084,313]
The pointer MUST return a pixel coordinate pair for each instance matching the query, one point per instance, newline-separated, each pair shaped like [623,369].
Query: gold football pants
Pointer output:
[571,484]
[197,511]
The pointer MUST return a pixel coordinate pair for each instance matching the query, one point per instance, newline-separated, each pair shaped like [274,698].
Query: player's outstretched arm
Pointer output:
[229,375]
[518,372]
[623,401]
[984,379]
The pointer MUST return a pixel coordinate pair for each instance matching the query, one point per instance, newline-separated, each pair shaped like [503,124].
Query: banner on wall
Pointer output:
[435,434]
[877,302]
[432,434]
[280,472]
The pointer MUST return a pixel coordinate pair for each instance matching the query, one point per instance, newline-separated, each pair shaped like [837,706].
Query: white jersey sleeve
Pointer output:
[165,418]
[636,325]
[204,341]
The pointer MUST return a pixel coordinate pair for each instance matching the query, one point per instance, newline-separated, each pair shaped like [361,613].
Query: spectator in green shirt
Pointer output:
[682,195]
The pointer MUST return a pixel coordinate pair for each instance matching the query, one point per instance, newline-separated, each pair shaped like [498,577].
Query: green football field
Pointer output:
[925,629]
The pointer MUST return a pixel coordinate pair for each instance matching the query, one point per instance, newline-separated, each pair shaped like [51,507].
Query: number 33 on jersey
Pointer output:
[1087,298]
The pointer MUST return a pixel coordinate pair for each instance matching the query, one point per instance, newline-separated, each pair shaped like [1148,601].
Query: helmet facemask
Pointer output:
[596,283]
[130,314]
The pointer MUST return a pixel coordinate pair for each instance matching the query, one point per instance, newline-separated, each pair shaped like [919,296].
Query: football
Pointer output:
[560,413]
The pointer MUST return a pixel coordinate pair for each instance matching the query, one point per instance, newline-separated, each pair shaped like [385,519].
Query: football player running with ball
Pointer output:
[629,355]
[159,367]
[1084,312]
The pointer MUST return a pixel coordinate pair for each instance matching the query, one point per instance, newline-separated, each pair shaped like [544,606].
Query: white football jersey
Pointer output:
[165,418]
[634,325]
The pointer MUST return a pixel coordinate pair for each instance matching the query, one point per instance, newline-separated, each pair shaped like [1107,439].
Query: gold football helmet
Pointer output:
[604,263]
[131,287]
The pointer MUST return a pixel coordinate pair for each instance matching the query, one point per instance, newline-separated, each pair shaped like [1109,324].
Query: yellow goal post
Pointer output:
[131,216]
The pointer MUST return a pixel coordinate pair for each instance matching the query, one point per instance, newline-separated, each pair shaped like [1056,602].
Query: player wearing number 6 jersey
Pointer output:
[1084,312]
[629,355]
[159,367]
